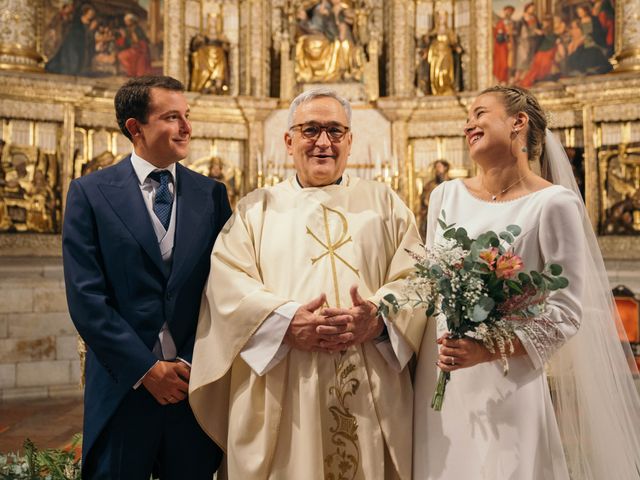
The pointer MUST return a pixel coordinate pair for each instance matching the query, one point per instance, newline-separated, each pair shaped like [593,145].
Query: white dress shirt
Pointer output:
[165,347]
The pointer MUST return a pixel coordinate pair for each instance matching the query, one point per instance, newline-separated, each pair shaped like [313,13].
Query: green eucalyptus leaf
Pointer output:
[555,269]
[513,286]
[436,270]
[479,314]
[507,237]
[444,287]
[467,264]
[537,278]
[524,278]
[562,282]
[449,234]
[430,310]
[514,230]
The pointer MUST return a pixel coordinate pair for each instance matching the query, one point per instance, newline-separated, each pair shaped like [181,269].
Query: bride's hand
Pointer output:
[461,353]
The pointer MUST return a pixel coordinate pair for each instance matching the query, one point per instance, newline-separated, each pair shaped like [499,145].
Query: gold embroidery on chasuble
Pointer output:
[342,463]
[332,245]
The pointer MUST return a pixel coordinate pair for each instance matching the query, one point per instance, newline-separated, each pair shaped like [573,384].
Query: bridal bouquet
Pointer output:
[480,287]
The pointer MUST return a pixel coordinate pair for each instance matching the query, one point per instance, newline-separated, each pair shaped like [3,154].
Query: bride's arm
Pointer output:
[561,240]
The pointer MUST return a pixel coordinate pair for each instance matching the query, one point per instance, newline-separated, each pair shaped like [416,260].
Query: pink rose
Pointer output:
[508,265]
[489,257]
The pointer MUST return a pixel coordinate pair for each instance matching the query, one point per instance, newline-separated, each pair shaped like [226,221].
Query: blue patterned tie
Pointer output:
[164,200]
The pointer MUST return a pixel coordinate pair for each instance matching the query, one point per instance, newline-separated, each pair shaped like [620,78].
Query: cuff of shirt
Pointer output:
[265,349]
[395,349]
[139,382]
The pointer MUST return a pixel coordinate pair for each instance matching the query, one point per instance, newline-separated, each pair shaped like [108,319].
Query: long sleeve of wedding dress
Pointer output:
[561,241]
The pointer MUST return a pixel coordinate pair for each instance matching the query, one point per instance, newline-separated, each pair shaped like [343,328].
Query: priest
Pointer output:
[295,374]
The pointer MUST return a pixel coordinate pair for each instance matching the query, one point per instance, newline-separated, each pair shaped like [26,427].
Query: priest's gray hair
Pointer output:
[320,92]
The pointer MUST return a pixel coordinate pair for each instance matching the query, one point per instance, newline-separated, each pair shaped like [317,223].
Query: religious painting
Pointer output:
[534,43]
[101,38]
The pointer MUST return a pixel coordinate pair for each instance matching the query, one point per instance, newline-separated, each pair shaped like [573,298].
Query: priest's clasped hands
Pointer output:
[318,329]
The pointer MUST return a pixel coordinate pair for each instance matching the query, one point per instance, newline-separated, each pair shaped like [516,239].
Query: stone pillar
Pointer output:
[287,80]
[401,49]
[399,112]
[255,112]
[481,75]
[176,53]
[255,21]
[18,49]
[628,36]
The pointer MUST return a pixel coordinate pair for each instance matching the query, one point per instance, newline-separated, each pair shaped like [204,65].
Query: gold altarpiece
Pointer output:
[57,127]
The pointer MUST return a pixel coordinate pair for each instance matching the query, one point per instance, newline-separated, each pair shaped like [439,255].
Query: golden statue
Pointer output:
[328,48]
[41,205]
[216,168]
[439,70]
[29,190]
[210,61]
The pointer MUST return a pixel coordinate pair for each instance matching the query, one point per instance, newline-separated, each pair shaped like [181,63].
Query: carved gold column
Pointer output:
[18,50]
[255,111]
[592,193]
[628,36]
[67,148]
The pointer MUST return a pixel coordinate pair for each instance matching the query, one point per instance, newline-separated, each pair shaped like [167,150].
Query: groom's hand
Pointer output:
[168,382]
[365,324]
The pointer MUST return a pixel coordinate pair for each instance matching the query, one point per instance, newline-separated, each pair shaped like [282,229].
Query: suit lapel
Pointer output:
[193,209]
[124,195]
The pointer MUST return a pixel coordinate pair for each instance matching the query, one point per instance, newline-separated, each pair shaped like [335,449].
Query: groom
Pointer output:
[136,243]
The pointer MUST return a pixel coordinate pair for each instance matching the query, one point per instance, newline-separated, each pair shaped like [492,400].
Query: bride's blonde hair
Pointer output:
[515,100]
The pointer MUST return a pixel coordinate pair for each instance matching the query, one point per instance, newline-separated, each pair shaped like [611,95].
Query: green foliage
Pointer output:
[50,464]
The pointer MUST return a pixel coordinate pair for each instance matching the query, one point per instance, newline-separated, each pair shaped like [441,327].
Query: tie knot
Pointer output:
[161,176]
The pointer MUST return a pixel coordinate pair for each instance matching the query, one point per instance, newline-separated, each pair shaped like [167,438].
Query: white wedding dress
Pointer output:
[495,427]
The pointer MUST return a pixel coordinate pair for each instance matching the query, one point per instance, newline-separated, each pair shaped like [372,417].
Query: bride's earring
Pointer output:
[524,148]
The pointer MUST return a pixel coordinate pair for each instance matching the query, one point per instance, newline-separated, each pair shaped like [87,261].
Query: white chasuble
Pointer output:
[313,415]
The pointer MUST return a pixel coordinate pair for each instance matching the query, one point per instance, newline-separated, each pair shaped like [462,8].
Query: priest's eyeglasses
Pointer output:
[312,131]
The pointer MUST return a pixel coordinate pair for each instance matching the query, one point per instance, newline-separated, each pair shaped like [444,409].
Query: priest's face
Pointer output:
[319,141]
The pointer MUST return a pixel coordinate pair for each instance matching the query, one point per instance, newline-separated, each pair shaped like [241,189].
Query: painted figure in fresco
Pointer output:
[134,55]
[583,55]
[604,11]
[328,48]
[75,55]
[503,46]
[104,60]
[57,29]
[526,35]
[542,65]
[440,60]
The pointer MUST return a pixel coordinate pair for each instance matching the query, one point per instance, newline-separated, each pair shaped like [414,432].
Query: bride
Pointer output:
[583,420]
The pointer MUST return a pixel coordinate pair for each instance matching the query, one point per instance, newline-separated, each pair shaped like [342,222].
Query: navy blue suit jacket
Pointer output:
[119,291]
